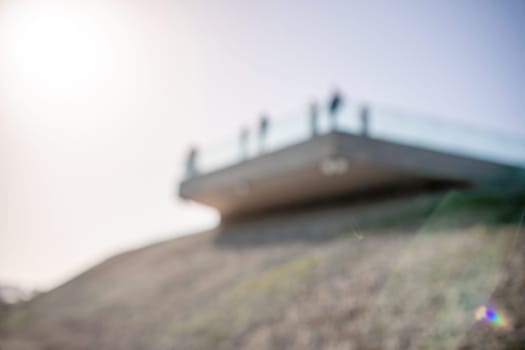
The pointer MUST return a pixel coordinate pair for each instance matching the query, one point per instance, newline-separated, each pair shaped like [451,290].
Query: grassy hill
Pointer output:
[404,274]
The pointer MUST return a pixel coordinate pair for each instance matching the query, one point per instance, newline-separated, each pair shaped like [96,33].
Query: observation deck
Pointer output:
[297,163]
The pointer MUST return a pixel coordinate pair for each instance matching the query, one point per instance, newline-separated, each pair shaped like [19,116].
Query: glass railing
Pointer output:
[384,124]
[449,137]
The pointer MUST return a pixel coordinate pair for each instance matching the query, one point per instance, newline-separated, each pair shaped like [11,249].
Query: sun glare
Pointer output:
[56,50]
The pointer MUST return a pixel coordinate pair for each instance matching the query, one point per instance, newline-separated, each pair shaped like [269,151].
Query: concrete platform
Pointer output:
[329,165]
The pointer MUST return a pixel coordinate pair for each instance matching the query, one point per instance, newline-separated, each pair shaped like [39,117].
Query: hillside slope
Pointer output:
[401,275]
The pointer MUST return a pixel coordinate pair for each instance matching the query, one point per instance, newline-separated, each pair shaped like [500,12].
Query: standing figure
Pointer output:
[365,118]
[191,162]
[333,108]
[244,143]
[314,116]
[263,132]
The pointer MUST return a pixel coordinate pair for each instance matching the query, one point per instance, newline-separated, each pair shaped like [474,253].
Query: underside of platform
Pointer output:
[329,166]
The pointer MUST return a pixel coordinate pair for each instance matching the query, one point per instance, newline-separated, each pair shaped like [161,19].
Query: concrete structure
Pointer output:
[330,165]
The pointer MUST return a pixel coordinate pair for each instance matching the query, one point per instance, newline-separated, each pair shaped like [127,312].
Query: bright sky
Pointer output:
[100,99]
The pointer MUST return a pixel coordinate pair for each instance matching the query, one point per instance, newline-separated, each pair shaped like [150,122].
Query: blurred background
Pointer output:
[100,101]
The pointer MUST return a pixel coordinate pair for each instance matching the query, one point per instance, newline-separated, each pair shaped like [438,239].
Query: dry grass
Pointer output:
[351,287]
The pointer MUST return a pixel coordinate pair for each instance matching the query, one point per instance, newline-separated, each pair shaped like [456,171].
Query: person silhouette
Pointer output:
[314,117]
[336,101]
[191,162]
[263,132]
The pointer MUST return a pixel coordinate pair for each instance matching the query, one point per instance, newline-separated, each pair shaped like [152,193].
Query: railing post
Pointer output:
[365,116]
[314,116]
[243,143]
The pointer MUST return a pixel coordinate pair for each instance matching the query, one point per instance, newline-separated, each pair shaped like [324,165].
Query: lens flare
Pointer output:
[487,314]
